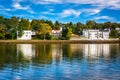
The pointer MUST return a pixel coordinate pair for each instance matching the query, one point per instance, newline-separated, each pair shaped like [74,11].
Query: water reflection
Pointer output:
[54,61]
[57,52]
[47,53]
[27,50]
[43,54]
[97,50]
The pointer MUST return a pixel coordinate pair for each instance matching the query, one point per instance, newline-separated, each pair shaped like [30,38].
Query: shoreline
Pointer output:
[57,41]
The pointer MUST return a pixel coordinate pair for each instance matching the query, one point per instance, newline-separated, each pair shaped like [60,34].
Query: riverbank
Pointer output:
[57,41]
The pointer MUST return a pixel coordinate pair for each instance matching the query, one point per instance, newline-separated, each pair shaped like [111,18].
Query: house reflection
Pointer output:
[27,50]
[57,52]
[96,50]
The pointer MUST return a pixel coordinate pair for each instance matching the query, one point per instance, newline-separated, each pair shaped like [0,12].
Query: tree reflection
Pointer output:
[72,51]
[8,56]
[43,54]
[57,52]
[23,55]
[115,50]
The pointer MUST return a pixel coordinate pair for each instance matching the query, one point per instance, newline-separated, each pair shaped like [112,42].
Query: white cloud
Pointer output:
[16,5]
[70,12]
[91,11]
[31,11]
[48,13]
[7,9]
[42,17]
[51,10]
[111,4]
[104,17]
[46,1]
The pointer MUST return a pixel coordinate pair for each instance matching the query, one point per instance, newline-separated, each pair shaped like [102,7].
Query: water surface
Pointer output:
[60,61]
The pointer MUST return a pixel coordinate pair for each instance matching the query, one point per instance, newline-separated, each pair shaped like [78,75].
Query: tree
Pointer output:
[91,24]
[45,28]
[66,33]
[56,25]
[78,28]
[50,23]
[114,26]
[2,31]
[2,19]
[25,24]
[35,24]
[107,25]
[100,26]
[12,26]
[114,33]
[69,33]
[3,28]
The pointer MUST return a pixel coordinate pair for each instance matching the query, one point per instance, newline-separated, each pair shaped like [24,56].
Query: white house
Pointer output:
[27,35]
[96,34]
[118,29]
[57,33]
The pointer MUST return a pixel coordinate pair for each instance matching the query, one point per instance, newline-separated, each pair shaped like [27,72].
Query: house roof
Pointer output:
[56,31]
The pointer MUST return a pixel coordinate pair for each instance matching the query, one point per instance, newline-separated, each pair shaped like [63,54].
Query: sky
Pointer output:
[62,10]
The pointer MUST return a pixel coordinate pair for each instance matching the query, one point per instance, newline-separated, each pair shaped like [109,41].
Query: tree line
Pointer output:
[43,28]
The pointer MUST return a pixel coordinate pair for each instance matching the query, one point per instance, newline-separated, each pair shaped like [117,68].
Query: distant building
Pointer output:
[57,33]
[96,34]
[27,35]
[118,29]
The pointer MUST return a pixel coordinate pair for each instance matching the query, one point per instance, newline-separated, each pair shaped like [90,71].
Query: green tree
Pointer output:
[50,23]
[79,28]
[12,26]
[69,33]
[66,33]
[3,28]
[35,24]
[114,26]
[114,33]
[2,31]
[45,29]
[2,20]
[107,25]
[25,24]
[91,24]
[99,26]
[56,25]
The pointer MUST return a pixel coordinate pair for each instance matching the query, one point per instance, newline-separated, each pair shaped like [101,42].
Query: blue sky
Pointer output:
[62,10]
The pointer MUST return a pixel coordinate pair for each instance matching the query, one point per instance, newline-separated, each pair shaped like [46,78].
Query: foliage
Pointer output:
[114,34]
[48,36]
[43,28]
[25,24]
[20,33]
[79,28]
[56,26]
[66,33]
[91,24]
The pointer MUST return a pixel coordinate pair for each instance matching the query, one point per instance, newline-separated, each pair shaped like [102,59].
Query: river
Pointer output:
[60,61]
